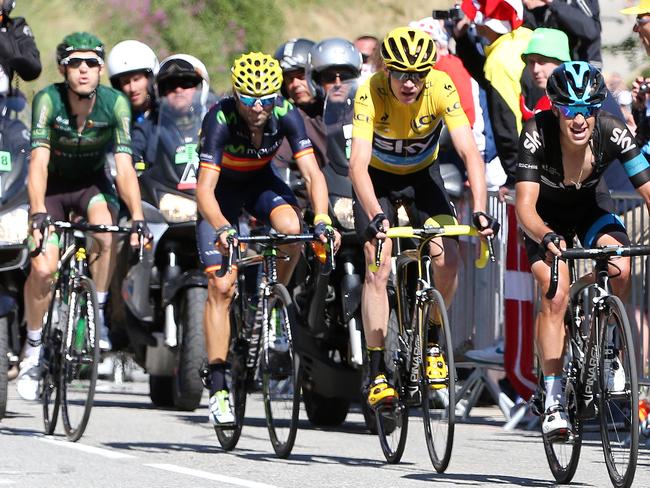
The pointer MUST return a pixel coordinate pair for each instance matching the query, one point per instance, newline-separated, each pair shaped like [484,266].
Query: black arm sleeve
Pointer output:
[579,19]
[530,152]
[20,53]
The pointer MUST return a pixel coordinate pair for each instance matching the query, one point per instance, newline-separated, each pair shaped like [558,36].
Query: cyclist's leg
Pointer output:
[37,295]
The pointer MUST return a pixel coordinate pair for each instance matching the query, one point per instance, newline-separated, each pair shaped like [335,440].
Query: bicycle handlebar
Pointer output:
[596,253]
[429,232]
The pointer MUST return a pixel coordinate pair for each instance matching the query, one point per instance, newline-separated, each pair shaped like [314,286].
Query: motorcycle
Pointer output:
[165,293]
[330,341]
[14,255]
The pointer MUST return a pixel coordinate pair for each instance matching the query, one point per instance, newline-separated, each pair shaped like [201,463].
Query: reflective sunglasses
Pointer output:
[76,62]
[404,76]
[642,21]
[570,112]
[331,76]
[249,101]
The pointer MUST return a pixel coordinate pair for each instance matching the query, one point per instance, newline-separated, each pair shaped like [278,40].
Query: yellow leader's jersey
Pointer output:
[405,137]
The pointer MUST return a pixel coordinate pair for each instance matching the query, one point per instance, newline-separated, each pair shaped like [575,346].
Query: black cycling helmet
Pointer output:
[576,83]
[7,6]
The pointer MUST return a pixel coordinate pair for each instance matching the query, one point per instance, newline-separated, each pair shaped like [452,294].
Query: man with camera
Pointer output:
[641,86]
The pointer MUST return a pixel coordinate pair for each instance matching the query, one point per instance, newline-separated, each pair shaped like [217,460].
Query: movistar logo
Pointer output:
[222,118]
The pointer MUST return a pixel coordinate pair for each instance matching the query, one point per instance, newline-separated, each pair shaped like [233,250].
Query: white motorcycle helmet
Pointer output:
[128,57]
[184,66]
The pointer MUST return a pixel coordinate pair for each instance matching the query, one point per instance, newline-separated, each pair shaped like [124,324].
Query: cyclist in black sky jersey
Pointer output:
[563,153]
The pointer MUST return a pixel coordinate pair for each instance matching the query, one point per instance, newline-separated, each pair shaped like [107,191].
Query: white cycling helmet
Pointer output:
[184,66]
[128,57]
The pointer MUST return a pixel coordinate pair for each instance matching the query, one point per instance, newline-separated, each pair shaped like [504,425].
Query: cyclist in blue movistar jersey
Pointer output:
[239,137]
[563,153]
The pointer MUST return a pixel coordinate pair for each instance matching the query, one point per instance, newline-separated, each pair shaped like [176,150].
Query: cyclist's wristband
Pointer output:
[322,218]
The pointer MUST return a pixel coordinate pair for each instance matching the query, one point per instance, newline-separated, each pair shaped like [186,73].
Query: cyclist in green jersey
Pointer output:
[74,125]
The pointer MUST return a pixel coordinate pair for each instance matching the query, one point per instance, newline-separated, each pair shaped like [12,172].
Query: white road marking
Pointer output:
[107,453]
[210,476]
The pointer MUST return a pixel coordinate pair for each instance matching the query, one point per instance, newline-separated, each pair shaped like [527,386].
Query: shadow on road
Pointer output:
[491,479]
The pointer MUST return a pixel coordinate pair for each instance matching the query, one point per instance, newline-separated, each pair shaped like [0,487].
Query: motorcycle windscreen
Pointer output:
[337,116]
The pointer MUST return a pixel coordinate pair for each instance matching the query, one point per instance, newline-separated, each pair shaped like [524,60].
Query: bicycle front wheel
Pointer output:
[437,381]
[50,358]
[80,359]
[280,383]
[619,394]
[229,436]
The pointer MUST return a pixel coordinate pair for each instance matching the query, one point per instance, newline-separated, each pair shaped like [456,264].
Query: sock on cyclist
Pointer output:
[102,298]
[554,393]
[376,361]
[33,343]
[218,377]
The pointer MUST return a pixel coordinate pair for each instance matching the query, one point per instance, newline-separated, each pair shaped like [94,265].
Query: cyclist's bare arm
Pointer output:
[127,185]
[315,182]
[359,161]
[37,178]
[465,146]
[527,216]
[207,203]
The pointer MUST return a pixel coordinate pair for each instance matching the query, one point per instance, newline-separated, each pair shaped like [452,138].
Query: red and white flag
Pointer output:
[508,13]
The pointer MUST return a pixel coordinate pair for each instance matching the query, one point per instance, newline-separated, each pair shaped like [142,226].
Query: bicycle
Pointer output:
[598,342]
[266,345]
[415,303]
[70,352]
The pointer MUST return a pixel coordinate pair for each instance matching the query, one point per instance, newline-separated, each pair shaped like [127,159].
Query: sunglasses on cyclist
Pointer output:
[570,112]
[331,76]
[249,101]
[76,62]
[404,76]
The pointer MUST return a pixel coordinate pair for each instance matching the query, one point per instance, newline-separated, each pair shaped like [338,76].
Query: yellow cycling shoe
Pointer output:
[380,392]
[437,371]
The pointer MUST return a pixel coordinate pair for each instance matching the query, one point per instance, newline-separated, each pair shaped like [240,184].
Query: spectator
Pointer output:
[18,52]
[367,46]
[498,70]
[623,97]
[580,19]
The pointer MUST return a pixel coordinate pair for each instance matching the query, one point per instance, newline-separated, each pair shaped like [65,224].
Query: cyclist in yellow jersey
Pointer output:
[398,118]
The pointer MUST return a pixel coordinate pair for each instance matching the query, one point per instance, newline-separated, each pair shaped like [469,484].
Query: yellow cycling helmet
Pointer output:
[408,49]
[256,74]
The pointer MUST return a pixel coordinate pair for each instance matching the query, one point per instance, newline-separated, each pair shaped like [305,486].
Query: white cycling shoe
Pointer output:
[28,379]
[556,424]
[220,412]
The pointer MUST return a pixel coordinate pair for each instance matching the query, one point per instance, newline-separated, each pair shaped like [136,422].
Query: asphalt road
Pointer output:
[128,443]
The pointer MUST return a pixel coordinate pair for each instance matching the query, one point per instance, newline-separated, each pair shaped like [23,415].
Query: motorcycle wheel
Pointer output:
[187,385]
[323,411]
[4,364]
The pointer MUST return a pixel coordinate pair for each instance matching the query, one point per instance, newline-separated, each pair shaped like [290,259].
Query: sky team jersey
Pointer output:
[75,155]
[226,144]
[540,156]
[405,137]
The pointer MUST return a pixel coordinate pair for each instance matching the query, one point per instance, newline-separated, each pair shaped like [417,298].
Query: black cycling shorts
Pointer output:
[63,195]
[422,193]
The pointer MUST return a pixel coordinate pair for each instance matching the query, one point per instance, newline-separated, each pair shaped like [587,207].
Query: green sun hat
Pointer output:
[551,43]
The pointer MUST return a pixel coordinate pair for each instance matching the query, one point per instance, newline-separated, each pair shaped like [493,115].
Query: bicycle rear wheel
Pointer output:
[392,421]
[280,379]
[80,359]
[439,387]
[50,358]
[563,455]
[619,394]
[228,437]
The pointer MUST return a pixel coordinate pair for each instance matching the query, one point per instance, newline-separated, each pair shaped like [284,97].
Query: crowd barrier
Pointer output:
[477,314]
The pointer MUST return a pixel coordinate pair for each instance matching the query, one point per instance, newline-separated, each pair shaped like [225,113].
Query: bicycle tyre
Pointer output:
[80,359]
[4,364]
[228,437]
[280,378]
[438,399]
[50,357]
[618,412]
[563,457]
[392,421]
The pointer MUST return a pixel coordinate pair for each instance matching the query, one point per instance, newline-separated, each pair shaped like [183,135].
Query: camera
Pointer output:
[454,13]
[644,88]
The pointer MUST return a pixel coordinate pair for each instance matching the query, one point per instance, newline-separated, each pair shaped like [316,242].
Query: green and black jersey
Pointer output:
[75,155]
